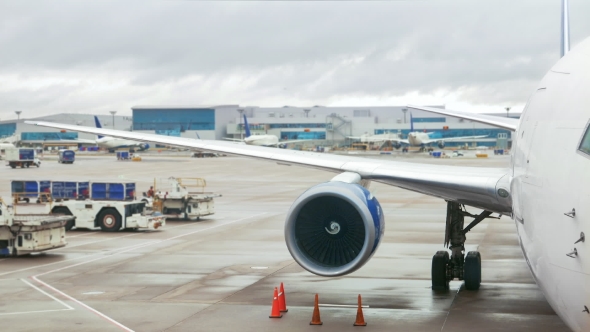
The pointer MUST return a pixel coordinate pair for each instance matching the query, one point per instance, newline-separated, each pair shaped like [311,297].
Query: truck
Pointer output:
[21,157]
[109,216]
[123,155]
[184,198]
[66,156]
[22,234]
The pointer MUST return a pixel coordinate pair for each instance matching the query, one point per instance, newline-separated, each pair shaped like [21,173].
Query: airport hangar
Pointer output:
[322,125]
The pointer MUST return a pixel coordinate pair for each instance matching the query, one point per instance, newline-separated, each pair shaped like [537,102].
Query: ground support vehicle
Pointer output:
[30,233]
[21,157]
[123,155]
[184,198]
[66,156]
[109,215]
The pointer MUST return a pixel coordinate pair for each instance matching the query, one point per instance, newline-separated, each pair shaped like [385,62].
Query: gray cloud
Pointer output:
[70,56]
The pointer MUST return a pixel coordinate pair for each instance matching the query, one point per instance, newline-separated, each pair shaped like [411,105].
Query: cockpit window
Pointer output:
[585,143]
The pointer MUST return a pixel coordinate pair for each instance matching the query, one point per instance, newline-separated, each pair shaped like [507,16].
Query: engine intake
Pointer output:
[441,144]
[334,228]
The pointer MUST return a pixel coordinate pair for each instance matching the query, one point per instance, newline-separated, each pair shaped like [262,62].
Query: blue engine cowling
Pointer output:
[334,228]
[144,146]
[441,144]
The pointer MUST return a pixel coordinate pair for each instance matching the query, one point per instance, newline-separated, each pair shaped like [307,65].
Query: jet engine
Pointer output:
[144,146]
[334,228]
[397,146]
[441,144]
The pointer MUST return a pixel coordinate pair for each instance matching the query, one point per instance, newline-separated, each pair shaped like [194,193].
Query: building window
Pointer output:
[170,119]
[429,120]
[7,129]
[48,136]
[294,135]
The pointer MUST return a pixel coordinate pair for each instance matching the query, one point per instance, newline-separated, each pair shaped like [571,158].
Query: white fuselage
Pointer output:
[262,140]
[114,143]
[417,138]
[550,177]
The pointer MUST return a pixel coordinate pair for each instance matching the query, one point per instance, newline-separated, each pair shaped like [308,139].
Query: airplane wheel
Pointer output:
[440,262]
[109,220]
[472,270]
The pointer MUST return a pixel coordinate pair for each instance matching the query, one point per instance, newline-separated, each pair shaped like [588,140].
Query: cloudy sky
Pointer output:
[94,57]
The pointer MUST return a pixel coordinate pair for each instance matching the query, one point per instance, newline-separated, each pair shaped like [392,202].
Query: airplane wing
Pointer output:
[233,139]
[474,186]
[497,121]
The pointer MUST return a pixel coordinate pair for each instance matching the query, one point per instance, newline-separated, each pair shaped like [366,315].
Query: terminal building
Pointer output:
[321,125]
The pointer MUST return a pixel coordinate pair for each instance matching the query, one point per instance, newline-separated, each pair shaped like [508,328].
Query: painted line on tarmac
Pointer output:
[47,294]
[32,312]
[121,326]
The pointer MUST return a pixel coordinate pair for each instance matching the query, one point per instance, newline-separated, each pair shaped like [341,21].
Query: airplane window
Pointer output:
[585,144]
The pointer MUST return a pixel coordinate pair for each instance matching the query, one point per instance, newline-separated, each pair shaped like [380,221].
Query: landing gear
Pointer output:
[468,268]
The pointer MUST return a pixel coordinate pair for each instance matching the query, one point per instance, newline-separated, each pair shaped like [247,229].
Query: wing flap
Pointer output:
[472,186]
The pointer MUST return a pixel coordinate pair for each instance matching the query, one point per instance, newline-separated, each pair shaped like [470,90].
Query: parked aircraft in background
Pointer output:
[415,138]
[334,228]
[112,143]
[261,140]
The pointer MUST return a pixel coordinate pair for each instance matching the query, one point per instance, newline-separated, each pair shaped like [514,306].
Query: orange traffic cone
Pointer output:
[274,312]
[360,318]
[282,299]
[315,318]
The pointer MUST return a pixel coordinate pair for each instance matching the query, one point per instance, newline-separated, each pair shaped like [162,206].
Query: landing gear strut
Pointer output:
[458,265]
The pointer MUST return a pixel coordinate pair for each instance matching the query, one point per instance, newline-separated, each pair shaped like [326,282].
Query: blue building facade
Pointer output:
[173,121]
[7,129]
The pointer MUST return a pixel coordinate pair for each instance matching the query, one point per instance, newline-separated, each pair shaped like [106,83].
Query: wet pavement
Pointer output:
[219,274]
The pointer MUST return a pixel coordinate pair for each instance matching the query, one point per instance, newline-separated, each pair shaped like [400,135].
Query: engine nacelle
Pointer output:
[397,146]
[441,144]
[144,146]
[334,228]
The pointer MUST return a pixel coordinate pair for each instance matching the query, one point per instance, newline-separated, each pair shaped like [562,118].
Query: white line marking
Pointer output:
[49,295]
[32,312]
[84,305]
[118,252]
[341,305]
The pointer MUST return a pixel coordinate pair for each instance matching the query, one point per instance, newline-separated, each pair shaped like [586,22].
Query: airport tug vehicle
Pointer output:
[185,198]
[22,234]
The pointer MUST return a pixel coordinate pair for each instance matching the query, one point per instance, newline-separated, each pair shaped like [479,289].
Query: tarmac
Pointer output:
[219,274]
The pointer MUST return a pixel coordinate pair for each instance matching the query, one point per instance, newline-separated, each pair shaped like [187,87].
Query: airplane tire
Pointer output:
[439,270]
[109,220]
[472,270]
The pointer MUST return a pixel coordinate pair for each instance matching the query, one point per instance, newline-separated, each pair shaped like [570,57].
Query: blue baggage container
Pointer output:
[64,189]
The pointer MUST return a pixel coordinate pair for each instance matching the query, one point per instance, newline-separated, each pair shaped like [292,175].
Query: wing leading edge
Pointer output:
[497,121]
[473,186]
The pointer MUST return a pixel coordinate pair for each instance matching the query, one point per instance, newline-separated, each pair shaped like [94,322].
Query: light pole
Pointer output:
[18,114]
[405,110]
[507,111]
[113,114]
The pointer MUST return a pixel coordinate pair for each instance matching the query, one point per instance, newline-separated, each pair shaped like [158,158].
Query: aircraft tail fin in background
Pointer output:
[565,28]
[98,125]
[246,126]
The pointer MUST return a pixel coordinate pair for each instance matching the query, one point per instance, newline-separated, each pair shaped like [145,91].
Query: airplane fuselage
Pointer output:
[417,138]
[262,140]
[115,143]
[550,178]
